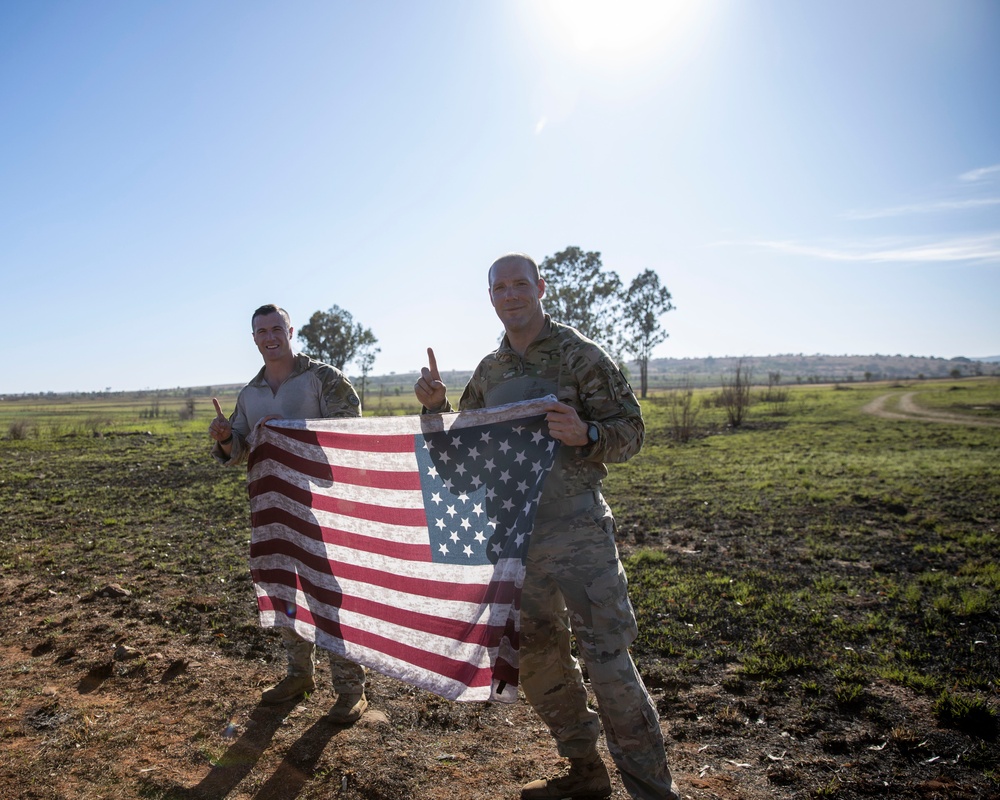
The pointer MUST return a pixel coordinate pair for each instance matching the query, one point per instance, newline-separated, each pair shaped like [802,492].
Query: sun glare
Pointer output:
[617,31]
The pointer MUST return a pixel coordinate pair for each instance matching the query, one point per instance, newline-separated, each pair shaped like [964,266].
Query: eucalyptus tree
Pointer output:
[581,293]
[334,337]
[645,302]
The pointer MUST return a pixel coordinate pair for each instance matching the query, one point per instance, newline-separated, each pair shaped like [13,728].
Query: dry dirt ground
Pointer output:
[100,700]
[99,704]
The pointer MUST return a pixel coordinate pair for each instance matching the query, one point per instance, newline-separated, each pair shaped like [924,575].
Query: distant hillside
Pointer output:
[667,372]
[664,372]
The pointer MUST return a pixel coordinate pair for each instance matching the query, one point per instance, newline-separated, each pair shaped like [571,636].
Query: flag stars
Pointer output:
[479,493]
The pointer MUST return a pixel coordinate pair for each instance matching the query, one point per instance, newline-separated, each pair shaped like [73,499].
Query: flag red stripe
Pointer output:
[376,479]
[369,443]
[494,592]
[412,517]
[356,541]
[453,669]
[478,633]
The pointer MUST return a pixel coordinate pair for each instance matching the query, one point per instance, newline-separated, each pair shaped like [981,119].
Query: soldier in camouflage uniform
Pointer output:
[574,580]
[292,386]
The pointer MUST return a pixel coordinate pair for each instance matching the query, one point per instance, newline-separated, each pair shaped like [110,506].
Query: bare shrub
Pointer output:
[775,396]
[19,430]
[187,410]
[683,411]
[735,394]
[153,412]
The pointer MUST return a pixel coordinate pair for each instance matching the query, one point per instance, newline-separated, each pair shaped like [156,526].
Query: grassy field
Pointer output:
[819,586]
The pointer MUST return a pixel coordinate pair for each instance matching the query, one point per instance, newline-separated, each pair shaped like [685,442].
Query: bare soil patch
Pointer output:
[904,406]
[174,717]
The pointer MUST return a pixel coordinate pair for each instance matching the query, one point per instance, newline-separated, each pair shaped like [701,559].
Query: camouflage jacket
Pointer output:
[578,372]
[314,390]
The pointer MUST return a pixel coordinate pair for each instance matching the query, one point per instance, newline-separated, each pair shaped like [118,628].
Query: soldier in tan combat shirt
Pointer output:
[574,579]
[292,386]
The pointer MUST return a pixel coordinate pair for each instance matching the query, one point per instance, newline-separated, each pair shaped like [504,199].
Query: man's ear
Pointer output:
[541,287]
[291,332]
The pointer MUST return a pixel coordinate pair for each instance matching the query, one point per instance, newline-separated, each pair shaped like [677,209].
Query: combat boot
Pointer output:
[291,687]
[348,708]
[587,779]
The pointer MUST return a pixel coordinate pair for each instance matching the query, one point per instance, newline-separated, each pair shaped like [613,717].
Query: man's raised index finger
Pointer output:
[218,408]
[432,362]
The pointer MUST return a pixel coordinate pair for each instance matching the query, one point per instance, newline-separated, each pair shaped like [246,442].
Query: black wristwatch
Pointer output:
[593,432]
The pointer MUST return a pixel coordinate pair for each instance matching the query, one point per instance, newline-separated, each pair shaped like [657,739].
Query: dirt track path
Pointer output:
[906,408]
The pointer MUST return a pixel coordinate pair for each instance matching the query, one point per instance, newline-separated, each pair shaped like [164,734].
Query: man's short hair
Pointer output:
[269,308]
[524,257]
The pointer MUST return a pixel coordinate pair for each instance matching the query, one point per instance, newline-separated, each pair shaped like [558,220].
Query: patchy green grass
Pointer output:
[823,550]
[819,577]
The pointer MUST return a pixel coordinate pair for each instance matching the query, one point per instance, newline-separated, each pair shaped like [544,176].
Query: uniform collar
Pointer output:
[300,366]
[546,331]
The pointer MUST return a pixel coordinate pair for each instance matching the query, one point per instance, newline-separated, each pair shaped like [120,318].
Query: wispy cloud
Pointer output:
[969,249]
[922,208]
[979,174]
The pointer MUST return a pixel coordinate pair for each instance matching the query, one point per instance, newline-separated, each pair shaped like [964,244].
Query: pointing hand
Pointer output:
[219,429]
[430,390]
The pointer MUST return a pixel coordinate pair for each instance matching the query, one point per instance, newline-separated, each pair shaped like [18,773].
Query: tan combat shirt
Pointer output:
[314,390]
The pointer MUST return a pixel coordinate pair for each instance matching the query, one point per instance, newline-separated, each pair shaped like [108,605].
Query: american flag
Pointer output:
[400,542]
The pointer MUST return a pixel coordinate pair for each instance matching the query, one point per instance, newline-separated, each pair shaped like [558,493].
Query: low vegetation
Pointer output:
[818,593]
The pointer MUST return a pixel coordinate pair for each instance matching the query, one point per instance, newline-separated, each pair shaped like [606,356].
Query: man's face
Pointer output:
[272,336]
[516,295]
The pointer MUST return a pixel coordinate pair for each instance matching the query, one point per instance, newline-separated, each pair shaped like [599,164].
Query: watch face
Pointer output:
[592,433]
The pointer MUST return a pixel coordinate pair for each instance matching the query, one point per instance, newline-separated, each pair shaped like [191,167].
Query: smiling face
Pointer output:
[516,294]
[273,337]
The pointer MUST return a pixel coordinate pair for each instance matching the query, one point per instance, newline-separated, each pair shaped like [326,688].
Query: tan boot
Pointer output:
[291,687]
[348,708]
[587,779]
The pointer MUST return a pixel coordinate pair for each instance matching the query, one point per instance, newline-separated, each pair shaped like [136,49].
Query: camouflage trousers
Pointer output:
[348,677]
[575,583]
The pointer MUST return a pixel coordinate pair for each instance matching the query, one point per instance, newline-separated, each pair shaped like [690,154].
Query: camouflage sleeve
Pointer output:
[474,395]
[608,400]
[337,395]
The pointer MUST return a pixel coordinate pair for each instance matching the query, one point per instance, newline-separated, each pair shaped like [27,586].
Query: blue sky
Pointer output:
[804,177]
